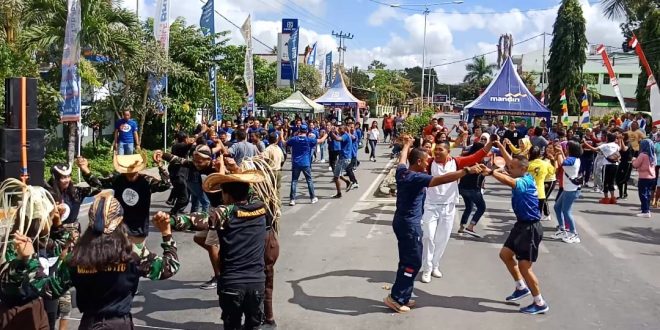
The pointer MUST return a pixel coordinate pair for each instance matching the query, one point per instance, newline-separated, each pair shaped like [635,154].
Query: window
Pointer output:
[625,76]
[606,79]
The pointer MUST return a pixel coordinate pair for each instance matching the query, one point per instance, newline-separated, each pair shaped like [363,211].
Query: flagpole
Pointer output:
[543,74]
[167,82]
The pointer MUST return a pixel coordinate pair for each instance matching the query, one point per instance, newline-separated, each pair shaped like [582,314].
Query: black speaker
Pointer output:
[13,170]
[13,102]
[10,144]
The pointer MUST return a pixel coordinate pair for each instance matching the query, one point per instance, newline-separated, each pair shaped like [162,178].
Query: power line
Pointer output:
[238,27]
[402,6]
[484,54]
[319,18]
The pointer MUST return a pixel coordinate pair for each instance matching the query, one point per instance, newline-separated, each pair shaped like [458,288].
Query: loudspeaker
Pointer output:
[13,102]
[10,144]
[13,170]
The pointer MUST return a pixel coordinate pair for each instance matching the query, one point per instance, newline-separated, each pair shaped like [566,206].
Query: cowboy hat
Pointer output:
[213,181]
[129,163]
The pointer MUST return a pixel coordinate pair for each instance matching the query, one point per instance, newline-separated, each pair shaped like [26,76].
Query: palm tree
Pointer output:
[479,71]
[614,9]
[106,29]
[10,16]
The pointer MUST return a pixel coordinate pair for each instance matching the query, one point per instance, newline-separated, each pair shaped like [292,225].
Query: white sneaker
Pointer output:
[292,203]
[355,186]
[644,215]
[426,277]
[315,200]
[559,234]
[571,239]
[323,161]
[546,218]
[436,273]
[330,168]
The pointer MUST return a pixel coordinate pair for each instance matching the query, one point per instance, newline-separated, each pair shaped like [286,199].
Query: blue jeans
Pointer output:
[126,148]
[198,197]
[472,197]
[409,239]
[563,206]
[323,146]
[295,174]
[645,189]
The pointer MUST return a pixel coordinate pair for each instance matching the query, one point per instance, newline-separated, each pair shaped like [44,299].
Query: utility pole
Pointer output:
[543,75]
[421,92]
[428,92]
[342,45]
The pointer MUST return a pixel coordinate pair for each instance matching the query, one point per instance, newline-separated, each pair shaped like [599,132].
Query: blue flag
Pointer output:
[328,69]
[207,23]
[70,83]
[311,59]
[293,56]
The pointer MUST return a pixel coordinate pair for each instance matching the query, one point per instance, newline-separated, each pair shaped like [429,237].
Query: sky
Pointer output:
[395,36]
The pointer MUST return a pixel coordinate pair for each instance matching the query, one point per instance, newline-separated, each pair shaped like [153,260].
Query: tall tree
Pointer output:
[415,76]
[377,65]
[309,81]
[479,72]
[568,53]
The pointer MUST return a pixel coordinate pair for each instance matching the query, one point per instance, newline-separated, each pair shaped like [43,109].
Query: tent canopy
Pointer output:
[507,95]
[339,96]
[298,103]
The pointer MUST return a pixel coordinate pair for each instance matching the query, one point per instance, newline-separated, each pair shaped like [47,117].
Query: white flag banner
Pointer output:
[248,74]
[162,24]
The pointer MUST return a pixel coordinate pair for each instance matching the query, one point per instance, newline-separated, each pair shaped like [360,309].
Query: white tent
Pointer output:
[298,103]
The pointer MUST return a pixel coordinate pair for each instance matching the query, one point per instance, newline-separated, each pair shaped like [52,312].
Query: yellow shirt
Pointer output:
[275,155]
[540,169]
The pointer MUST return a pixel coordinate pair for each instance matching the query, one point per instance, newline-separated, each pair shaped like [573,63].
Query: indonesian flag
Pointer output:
[584,118]
[564,108]
[543,97]
[633,42]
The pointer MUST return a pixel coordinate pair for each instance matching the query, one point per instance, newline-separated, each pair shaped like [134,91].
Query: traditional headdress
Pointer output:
[105,214]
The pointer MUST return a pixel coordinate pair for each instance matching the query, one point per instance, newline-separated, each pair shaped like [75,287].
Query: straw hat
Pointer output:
[129,163]
[213,181]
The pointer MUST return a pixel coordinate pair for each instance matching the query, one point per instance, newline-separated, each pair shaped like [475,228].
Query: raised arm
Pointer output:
[453,176]
[156,267]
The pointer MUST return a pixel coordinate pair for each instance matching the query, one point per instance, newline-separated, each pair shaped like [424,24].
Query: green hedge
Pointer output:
[99,156]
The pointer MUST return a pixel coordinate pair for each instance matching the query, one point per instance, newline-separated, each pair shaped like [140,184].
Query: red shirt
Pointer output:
[388,123]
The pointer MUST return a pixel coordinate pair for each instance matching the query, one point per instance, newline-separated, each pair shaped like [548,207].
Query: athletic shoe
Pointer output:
[292,203]
[571,238]
[559,234]
[534,309]
[471,232]
[395,306]
[426,277]
[356,186]
[604,201]
[411,303]
[349,187]
[323,161]
[644,215]
[518,294]
[209,285]
[330,168]
[612,200]
[546,218]
[337,196]
[436,273]
[315,200]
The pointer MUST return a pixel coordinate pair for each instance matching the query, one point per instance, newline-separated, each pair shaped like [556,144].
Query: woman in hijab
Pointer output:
[103,267]
[524,145]
[645,165]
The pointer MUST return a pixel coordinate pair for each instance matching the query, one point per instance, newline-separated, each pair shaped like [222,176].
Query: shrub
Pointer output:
[414,124]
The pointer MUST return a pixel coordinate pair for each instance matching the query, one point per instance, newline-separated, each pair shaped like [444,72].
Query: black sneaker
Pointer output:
[471,232]
[349,187]
[337,196]
[211,284]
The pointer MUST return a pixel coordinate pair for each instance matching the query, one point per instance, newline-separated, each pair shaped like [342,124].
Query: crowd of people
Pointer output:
[532,161]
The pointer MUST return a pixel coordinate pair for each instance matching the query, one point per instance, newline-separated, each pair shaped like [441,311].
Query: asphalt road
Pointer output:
[338,259]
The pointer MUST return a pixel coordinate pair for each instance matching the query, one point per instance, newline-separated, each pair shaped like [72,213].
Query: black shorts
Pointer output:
[525,239]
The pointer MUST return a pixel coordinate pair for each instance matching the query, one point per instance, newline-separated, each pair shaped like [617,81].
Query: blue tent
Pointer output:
[339,96]
[507,95]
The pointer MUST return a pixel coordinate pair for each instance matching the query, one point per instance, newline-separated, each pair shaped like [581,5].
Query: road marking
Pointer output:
[375,229]
[306,228]
[608,243]
[375,184]
[340,230]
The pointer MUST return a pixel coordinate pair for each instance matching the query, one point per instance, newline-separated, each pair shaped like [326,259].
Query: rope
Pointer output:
[267,190]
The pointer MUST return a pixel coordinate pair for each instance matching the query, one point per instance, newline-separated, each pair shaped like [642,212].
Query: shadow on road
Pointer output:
[646,235]
[354,306]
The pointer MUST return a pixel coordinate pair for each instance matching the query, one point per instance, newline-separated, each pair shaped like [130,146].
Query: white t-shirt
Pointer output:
[373,134]
[570,171]
[608,149]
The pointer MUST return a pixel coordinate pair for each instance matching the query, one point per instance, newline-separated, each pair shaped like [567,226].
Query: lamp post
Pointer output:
[426,12]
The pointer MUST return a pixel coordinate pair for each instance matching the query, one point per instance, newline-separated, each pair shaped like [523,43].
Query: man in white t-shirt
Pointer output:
[610,151]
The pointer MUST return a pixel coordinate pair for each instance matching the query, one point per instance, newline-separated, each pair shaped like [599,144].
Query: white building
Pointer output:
[625,65]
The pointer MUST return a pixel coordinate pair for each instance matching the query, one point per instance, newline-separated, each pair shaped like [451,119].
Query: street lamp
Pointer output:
[426,12]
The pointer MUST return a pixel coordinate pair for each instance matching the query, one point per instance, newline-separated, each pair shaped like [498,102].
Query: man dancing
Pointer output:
[525,237]
[411,185]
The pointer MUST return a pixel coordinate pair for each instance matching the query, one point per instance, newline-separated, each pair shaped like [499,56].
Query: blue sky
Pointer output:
[394,36]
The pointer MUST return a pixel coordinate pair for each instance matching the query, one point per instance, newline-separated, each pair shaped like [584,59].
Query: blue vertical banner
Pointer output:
[207,23]
[162,35]
[311,59]
[328,69]
[293,56]
[70,83]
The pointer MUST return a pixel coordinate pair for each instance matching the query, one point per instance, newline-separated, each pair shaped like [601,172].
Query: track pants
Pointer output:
[437,224]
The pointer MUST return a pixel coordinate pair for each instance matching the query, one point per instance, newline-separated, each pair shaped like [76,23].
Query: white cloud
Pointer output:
[384,14]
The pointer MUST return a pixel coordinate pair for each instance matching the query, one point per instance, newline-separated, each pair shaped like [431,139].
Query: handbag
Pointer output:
[366,149]
[578,180]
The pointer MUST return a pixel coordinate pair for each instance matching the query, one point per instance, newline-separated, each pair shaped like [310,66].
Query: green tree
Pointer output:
[567,55]
[309,81]
[479,72]
[415,76]
[376,65]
